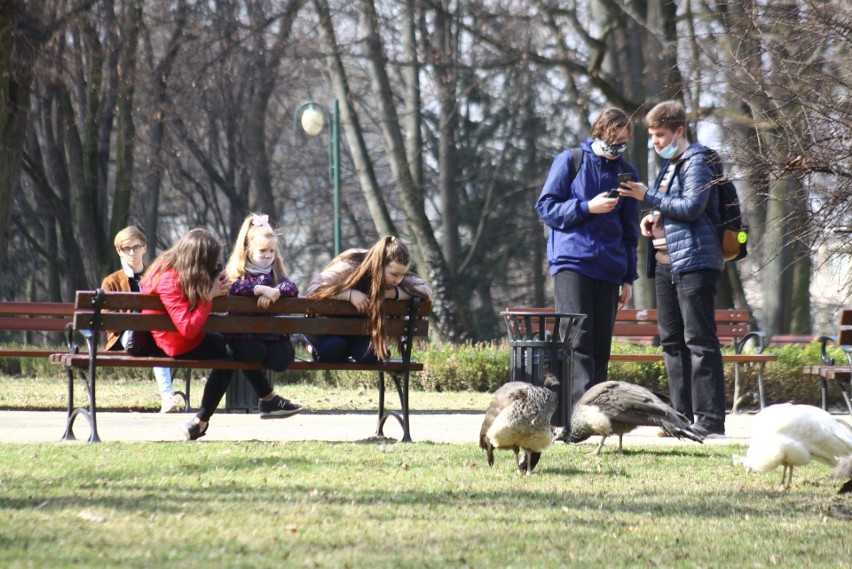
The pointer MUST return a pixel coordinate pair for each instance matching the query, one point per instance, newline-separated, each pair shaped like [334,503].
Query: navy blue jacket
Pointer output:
[690,210]
[601,246]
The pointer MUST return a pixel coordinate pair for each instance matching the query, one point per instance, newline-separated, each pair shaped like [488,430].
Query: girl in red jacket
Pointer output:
[187,278]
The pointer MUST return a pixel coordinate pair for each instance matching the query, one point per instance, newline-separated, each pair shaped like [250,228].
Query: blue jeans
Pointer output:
[686,320]
[340,348]
[598,300]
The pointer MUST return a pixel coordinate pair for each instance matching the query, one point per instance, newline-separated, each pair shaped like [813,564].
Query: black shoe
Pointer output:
[193,431]
[709,432]
[277,407]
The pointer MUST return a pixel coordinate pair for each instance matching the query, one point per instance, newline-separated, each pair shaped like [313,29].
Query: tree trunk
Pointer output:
[444,306]
[352,126]
[126,129]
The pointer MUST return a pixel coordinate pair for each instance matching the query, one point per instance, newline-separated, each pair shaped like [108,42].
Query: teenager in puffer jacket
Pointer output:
[686,263]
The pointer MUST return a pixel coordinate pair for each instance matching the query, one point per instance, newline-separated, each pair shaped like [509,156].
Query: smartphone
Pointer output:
[625,177]
[613,194]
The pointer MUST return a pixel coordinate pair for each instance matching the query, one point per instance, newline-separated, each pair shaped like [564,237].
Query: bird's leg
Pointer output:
[529,460]
[785,479]
[620,450]
[600,446]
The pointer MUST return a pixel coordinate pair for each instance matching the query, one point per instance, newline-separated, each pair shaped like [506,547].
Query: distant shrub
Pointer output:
[484,367]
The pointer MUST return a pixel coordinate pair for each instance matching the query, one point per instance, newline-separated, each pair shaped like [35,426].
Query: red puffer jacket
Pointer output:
[188,322]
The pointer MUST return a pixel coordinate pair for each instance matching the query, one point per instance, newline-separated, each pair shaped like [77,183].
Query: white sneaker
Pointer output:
[171,404]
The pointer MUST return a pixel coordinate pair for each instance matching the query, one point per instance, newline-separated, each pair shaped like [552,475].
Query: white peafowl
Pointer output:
[519,418]
[616,408]
[792,435]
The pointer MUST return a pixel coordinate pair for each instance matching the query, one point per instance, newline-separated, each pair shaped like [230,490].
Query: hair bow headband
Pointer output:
[259,219]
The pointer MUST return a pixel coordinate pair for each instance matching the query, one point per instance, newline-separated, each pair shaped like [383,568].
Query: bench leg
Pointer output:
[761,374]
[844,389]
[735,407]
[403,416]
[824,392]
[88,413]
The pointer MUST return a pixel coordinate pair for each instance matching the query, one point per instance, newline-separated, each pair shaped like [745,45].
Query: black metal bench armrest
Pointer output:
[761,340]
[824,343]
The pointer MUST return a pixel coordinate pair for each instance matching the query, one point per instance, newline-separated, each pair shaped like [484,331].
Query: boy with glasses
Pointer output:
[131,245]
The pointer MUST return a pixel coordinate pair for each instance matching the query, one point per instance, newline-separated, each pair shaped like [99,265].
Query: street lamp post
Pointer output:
[312,117]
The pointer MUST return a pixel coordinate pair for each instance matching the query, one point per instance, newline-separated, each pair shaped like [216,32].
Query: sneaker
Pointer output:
[708,432]
[171,404]
[193,431]
[277,407]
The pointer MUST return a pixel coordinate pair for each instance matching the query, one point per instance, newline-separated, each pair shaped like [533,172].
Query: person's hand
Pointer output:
[220,286]
[359,300]
[647,224]
[263,301]
[602,204]
[625,295]
[635,190]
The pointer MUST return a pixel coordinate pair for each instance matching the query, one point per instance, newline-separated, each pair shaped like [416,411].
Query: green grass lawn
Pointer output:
[379,504]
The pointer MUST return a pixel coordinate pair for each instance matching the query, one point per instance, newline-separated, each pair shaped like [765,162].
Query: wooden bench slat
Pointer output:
[229,324]
[128,301]
[33,324]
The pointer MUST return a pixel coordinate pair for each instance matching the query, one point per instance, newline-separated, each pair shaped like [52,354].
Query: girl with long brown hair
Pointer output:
[365,278]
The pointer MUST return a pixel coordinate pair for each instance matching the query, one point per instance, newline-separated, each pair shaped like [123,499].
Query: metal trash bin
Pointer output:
[240,397]
[537,349]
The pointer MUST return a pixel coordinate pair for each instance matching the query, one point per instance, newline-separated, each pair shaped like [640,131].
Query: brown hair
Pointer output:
[369,274]
[609,122]
[255,228]
[668,115]
[193,258]
[128,234]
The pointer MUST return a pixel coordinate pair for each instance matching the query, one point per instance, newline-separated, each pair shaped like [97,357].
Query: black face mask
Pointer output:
[216,271]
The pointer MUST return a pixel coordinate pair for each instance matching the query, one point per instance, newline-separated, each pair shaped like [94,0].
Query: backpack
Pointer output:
[732,229]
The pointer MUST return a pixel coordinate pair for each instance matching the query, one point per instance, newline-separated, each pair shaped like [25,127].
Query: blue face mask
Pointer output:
[669,151]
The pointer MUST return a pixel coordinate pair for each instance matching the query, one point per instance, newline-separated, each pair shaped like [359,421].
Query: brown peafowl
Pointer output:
[519,418]
[616,408]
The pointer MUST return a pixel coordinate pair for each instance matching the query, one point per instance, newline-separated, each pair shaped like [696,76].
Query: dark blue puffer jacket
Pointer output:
[601,246]
[690,210]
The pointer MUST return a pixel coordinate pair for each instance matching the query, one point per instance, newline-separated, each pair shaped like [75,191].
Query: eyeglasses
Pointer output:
[132,250]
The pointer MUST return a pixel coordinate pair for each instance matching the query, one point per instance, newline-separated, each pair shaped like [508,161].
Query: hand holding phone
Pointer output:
[613,194]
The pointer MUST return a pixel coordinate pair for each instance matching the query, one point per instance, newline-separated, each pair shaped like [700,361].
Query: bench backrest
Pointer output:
[640,325]
[119,311]
[35,316]
[844,335]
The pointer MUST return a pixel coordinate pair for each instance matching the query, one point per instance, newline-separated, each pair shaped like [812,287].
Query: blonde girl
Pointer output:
[255,269]
[365,278]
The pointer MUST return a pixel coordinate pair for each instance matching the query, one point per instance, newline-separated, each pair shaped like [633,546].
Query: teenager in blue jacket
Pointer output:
[686,263]
[591,248]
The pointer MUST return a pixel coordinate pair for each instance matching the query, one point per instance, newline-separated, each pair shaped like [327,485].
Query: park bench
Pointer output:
[829,370]
[27,317]
[96,311]
[733,327]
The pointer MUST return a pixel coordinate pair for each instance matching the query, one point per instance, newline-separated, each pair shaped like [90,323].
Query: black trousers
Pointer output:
[274,354]
[686,306]
[598,300]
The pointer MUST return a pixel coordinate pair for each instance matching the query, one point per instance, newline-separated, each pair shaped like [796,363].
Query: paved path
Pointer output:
[48,426]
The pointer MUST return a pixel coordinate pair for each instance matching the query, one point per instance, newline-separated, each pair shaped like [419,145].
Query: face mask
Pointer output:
[669,151]
[260,262]
[612,149]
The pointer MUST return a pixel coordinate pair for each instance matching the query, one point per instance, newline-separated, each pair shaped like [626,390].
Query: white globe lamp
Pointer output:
[313,121]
